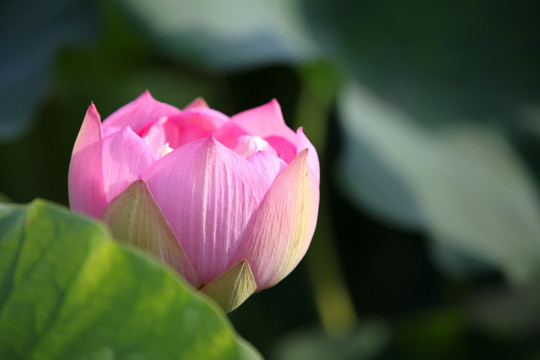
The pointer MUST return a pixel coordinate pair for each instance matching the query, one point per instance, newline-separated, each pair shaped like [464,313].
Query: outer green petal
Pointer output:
[233,287]
[135,218]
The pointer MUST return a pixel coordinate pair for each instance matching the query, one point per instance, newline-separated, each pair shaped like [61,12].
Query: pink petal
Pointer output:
[264,121]
[160,132]
[269,165]
[137,114]
[313,158]
[283,147]
[195,124]
[125,157]
[197,103]
[155,136]
[248,145]
[85,182]
[207,193]
[279,232]
[228,134]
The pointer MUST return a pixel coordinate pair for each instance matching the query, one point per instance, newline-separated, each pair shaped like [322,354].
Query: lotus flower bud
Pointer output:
[229,202]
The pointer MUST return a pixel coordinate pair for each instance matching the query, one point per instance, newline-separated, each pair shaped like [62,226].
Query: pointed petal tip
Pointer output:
[146,96]
[303,144]
[275,102]
[85,183]
[231,288]
[198,102]
[265,121]
[92,110]
[211,141]
[91,128]
[303,161]
[302,157]
[140,183]
[304,153]
[146,93]
[211,145]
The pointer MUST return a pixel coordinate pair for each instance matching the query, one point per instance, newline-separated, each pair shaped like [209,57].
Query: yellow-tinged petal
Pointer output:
[233,287]
[135,219]
[280,231]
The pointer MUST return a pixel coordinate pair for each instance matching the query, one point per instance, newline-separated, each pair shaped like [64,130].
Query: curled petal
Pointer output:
[313,159]
[86,191]
[137,114]
[279,232]
[207,193]
[125,157]
[265,121]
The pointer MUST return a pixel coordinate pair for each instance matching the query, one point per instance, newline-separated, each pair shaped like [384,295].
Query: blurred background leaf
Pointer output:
[437,333]
[69,292]
[459,61]
[4,198]
[471,191]
[31,32]
[507,311]
[366,342]
[225,35]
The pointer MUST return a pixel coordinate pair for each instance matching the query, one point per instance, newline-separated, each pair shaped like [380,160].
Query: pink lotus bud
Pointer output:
[217,198]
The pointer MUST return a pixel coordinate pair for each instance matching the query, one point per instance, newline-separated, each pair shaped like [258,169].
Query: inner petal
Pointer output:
[160,135]
[155,136]
[165,149]
[195,124]
[283,147]
[248,145]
